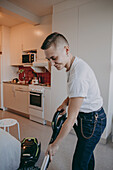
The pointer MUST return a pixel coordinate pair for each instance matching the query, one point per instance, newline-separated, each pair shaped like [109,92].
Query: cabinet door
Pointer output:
[15,97]
[16,45]
[21,98]
[29,37]
[9,96]
[47,105]
[33,36]
[21,101]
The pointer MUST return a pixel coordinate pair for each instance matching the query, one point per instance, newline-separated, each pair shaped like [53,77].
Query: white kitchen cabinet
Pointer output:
[48,115]
[33,36]
[30,40]
[9,95]
[29,37]
[16,97]
[16,45]
[23,38]
[21,98]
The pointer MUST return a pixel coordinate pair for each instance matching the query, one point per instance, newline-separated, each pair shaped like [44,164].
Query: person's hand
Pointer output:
[52,149]
[62,108]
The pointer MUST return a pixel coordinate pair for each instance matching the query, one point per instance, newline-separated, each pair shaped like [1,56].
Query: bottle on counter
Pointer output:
[39,79]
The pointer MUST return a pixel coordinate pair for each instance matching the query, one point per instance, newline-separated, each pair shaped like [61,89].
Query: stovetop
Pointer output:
[36,88]
[39,84]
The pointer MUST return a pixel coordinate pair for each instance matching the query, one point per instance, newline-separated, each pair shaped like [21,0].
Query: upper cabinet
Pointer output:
[16,42]
[29,37]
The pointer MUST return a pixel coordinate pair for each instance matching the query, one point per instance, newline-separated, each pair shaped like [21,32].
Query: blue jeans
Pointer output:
[89,130]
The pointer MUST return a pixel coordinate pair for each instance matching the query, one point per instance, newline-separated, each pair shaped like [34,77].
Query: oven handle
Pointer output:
[35,94]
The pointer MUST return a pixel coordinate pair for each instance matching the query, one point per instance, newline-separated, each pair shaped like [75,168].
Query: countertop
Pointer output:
[26,84]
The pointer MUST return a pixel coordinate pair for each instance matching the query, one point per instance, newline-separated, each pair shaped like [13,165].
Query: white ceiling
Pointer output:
[36,7]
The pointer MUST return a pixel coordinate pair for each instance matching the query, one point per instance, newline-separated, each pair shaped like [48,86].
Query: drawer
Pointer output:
[36,113]
[21,88]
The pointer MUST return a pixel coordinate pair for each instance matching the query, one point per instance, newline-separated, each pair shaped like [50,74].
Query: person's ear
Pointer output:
[67,49]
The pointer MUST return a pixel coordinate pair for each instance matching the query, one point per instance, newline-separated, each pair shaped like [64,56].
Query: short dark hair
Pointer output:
[53,39]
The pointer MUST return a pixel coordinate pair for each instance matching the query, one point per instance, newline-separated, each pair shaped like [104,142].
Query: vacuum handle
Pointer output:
[56,126]
[55,118]
[45,162]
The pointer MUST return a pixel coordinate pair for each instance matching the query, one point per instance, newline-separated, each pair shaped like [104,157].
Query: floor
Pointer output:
[62,159]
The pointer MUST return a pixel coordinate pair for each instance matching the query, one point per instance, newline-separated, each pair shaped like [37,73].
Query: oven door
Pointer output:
[36,101]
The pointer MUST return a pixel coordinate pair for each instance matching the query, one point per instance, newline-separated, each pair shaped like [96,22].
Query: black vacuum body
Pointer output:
[30,151]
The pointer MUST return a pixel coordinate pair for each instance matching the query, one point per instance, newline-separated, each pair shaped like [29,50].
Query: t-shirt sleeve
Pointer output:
[77,87]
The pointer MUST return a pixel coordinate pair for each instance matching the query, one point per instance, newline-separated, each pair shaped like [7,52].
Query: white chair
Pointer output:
[6,123]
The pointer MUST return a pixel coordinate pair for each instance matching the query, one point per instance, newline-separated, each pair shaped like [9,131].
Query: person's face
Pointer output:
[57,56]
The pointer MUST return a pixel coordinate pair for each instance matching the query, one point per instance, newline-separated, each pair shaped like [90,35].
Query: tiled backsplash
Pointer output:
[28,75]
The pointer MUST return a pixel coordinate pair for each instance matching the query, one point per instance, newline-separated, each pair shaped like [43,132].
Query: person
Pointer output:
[85,112]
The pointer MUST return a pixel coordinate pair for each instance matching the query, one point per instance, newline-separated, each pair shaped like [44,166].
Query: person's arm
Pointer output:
[64,105]
[73,110]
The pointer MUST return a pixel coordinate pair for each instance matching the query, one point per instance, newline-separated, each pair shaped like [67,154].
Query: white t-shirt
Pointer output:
[81,82]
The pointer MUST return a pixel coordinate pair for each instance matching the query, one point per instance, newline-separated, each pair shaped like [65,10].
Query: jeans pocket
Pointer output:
[103,124]
[87,128]
[100,125]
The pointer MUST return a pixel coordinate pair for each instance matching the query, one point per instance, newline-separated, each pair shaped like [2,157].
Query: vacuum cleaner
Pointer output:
[57,123]
[30,152]
[31,147]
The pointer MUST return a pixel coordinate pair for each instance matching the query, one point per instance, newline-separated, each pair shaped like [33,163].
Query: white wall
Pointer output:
[88,26]
[59,78]
[94,45]
[110,99]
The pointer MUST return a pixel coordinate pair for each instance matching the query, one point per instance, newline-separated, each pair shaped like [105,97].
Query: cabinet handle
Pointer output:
[21,90]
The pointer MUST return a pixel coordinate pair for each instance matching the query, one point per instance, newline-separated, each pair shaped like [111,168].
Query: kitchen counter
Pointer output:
[26,84]
[17,98]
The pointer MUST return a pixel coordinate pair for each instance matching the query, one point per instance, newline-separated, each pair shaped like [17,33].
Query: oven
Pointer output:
[36,103]
[36,100]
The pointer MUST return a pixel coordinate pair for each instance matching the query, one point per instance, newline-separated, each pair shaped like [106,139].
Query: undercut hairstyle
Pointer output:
[54,39]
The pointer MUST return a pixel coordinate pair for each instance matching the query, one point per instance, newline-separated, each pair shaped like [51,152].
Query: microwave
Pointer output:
[29,58]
